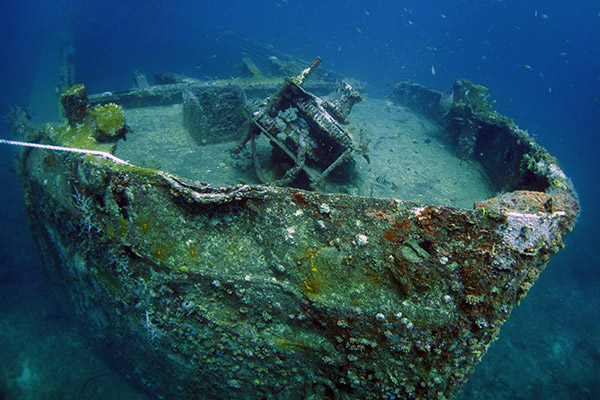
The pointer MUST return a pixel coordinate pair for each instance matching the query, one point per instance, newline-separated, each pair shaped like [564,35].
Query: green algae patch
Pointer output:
[76,136]
[88,127]
[108,122]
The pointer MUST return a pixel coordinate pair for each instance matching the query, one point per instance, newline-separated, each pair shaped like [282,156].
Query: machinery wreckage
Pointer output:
[279,289]
[305,131]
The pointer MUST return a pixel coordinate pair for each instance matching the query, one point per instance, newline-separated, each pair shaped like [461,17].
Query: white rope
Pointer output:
[69,149]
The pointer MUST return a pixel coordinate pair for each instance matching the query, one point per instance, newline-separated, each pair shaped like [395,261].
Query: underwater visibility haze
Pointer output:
[539,60]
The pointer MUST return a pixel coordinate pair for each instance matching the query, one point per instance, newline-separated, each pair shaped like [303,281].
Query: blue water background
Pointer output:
[540,60]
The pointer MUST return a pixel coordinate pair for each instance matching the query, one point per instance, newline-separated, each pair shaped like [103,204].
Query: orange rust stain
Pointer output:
[299,199]
[390,235]
[380,214]
[399,231]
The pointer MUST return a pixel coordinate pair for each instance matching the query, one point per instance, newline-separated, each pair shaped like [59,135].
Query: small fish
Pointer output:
[382,181]
[198,66]
[379,141]
[358,29]
[212,56]
[443,16]
[433,71]
[527,66]
[549,89]
[367,12]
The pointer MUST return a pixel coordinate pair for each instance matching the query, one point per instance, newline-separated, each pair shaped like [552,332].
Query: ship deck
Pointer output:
[410,158]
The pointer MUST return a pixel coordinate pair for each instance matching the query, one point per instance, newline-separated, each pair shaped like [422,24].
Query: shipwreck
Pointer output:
[246,238]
